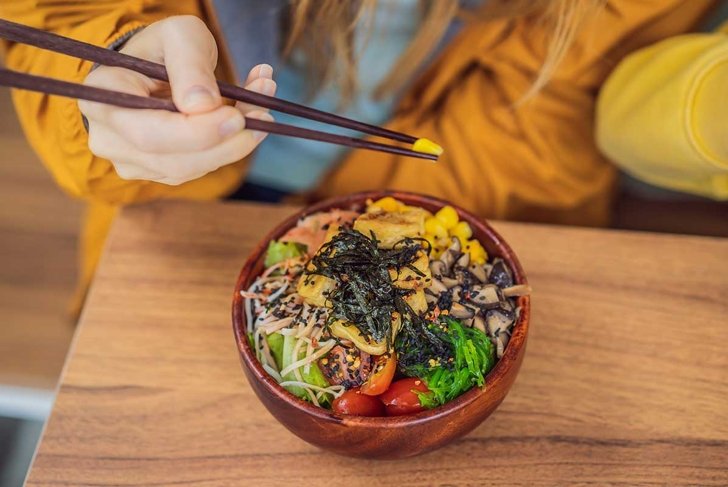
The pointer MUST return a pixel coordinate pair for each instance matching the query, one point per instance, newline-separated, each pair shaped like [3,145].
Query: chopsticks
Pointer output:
[14,79]
[46,40]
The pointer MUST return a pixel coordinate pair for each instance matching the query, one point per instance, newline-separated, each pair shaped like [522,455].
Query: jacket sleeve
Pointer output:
[536,160]
[662,116]
[53,125]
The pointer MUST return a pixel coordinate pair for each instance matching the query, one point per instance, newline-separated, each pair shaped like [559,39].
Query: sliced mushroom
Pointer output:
[479,272]
[448,259]
[507,308]
[456,291]
[455,245]
[469,322]
[479,323]
[499,347]
[518,290]
[488,295]
[497,321]
[437,268]
[450,282]
[431,298]
[500,275]
[437,287]
[503,338]
[463,261]
[459,311]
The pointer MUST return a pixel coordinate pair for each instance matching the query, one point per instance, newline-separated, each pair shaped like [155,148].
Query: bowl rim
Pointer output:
[498,373]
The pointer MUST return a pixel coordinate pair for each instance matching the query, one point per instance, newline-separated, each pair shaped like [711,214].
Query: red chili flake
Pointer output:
[436,313]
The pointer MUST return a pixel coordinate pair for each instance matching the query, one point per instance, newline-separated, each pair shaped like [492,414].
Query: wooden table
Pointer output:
[625,379]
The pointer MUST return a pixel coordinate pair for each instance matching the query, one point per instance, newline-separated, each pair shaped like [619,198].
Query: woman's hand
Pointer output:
[167,147]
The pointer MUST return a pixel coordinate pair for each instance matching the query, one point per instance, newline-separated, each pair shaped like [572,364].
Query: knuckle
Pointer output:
[184,25]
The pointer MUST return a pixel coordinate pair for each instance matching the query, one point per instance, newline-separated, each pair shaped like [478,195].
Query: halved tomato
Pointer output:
[381,376]
[401,399]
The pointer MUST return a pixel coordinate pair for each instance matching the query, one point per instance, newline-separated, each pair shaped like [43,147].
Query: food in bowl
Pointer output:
[385,312]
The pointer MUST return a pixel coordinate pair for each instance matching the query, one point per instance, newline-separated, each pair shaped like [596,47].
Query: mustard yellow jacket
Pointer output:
[538,161]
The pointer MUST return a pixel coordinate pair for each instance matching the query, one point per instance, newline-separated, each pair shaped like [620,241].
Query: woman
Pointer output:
[507,87]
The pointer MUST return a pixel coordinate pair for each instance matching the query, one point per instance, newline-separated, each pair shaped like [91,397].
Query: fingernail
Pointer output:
[198,96]
[258,136]
[269,87]
[265,71]
[232,125]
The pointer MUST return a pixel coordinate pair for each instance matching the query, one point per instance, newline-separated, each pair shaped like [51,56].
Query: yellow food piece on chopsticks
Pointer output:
[426,146]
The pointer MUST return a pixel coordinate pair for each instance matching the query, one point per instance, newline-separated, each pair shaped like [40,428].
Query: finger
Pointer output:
[259,71]
[260,80]
[116,79]
[162,132]
[190,55]
[174,169]
[185,167]
[159,131]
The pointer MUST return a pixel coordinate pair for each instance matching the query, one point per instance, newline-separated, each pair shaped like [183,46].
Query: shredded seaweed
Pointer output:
[365,294]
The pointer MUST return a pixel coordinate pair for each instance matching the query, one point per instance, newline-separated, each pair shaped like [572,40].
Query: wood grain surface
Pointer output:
[38,238]
[624,382]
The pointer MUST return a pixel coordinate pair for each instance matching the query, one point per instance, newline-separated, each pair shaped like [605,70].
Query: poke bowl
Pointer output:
[381,324]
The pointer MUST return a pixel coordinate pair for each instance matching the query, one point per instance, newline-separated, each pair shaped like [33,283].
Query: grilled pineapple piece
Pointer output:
[391,227]
[406,278]
[417,301]
[315,289]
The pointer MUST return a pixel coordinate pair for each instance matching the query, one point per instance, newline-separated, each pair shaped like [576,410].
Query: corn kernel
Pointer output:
[462,231]
[434,227]
[388,204]
[465,244]
[478,255]
[448,216]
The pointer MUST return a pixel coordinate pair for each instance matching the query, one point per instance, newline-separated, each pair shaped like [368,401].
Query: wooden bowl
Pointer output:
[387,437]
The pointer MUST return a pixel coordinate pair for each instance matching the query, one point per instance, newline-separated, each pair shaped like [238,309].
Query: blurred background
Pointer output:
[38,234]
[38,228]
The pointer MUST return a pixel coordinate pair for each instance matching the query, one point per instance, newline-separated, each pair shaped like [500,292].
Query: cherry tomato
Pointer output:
[354,403]
[399,398]
[381,376]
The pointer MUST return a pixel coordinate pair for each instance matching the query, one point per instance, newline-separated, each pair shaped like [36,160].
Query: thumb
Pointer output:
[190,56]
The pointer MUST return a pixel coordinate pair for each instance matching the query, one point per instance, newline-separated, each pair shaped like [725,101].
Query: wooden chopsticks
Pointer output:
[14,79]
[46,40]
